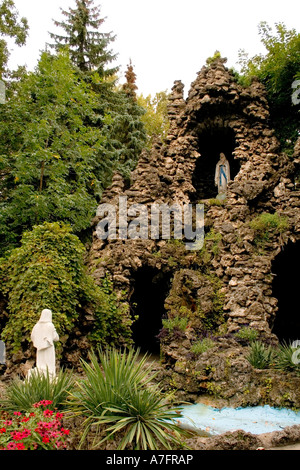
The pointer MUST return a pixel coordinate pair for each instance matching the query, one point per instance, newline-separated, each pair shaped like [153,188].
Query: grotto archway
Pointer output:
[286,289]
[213,141]
[151,287]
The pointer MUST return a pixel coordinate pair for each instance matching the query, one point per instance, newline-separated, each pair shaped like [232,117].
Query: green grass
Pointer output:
[177,322]
[202,345]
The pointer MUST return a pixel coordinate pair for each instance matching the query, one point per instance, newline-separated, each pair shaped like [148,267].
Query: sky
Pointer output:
[166,40]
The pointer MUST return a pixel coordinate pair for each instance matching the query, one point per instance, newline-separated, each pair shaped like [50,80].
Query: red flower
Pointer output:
[17,413]
[2,430]
[65,431]
[20,446]
[11,446]
[25,419]
[46,439]
[48,412]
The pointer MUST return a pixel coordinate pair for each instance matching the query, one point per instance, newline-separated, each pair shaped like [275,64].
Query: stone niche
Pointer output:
[244,270]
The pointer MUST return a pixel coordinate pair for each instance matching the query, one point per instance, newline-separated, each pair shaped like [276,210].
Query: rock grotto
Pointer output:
[243,276]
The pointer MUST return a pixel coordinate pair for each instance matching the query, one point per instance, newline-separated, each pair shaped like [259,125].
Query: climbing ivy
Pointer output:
[48,271]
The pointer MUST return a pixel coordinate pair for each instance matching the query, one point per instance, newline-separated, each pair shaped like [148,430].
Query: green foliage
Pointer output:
[116,394]
[47,271]
[10,26]
[128,134]
[282,357]
[247,334]
[112,324]
[179,323]
[211,246]
[22,394]
[212,320]
[155,118]
[88,45]
[89,52]
[277,70]
[285,359]
[261,356]
[50,151]
[202,346]
[266,225]
[216,56]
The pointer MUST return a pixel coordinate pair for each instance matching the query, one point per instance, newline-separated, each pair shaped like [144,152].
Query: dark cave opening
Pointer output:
[151,288]
[285,288]
[212,142]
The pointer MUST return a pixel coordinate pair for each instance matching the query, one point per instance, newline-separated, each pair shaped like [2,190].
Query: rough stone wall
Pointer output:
[216,103]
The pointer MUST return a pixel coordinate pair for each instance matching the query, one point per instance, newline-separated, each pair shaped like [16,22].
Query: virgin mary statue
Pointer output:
[43,336]
[222,175]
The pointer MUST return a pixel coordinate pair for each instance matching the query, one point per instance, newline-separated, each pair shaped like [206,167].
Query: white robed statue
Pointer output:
[222,175]
[43,336]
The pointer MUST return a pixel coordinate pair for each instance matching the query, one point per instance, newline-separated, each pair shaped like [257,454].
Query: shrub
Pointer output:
[261,356]
[21,394]
[116,393]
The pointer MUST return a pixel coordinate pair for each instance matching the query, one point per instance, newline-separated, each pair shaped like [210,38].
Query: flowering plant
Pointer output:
[36,430]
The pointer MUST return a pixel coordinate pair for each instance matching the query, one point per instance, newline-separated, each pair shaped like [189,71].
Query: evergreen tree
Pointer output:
[128,131]
[130,86]
[88,46]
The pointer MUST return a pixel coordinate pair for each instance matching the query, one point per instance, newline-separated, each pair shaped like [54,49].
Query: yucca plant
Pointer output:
[22,394]
[285,359]
[146,420]
[116,393]
[261,356]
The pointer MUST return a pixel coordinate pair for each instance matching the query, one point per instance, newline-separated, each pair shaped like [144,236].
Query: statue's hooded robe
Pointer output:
[43,336]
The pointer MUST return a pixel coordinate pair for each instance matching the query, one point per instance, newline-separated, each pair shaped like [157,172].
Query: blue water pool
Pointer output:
[208,420]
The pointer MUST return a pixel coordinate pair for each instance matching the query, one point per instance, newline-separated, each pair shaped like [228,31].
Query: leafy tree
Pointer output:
[87,45]
[10,26]
[52,161]
[155,118]
[278,69]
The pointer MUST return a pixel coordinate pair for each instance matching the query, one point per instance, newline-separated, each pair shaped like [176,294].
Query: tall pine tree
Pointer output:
[89,52]
[88,47]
